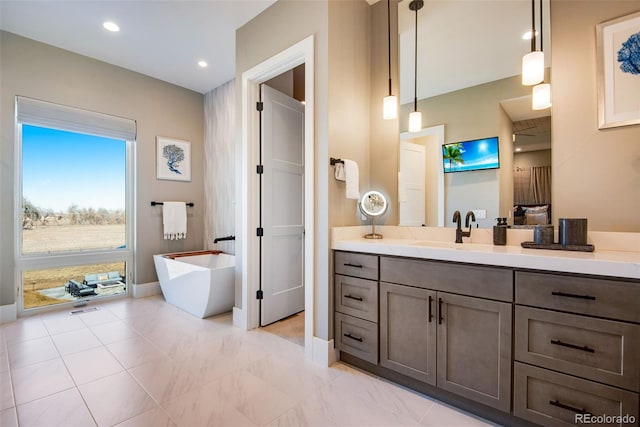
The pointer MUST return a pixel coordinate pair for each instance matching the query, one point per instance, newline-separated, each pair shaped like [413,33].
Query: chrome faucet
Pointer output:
[457,218]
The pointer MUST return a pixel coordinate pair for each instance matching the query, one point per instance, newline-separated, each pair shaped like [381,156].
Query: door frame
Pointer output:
[247,316]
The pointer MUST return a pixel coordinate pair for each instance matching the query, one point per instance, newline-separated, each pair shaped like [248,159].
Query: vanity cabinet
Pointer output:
[577,346]
[458,343]
[356,304]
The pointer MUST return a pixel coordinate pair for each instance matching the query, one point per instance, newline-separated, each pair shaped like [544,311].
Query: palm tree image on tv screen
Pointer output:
[471,155]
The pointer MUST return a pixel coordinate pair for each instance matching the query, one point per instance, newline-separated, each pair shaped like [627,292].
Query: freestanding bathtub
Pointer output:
[200,283]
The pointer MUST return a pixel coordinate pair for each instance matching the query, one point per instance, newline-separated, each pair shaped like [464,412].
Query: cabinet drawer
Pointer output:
[357,265]
[595,297]
[552,399]
[357,337]
[596,349]
[356,297]
[483,282]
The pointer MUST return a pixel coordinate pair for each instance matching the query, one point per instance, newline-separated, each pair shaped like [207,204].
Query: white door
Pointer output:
[411,184]
[282,206]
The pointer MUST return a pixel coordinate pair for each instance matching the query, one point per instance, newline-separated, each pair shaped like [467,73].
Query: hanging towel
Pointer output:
[339,172]
[353,179]
[174,219]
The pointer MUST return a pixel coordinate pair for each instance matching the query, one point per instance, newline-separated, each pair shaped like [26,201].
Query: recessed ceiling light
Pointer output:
[202,64]
[111,26]
[518,149]
[527,35]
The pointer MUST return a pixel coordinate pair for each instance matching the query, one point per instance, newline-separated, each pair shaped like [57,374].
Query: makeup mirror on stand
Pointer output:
[373,204]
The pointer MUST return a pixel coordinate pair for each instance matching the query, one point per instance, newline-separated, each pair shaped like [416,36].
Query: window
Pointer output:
[75,202]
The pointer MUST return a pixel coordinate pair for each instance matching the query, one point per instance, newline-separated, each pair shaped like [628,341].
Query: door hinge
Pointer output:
[260,232]
[259,169]
[259,294]
[259,106]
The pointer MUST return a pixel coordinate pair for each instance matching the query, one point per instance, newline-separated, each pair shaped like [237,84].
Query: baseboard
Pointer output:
[323,352]
[8,313]
[239,319]
[143,290]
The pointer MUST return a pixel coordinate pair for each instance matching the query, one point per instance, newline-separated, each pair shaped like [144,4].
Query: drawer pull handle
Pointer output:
[563,294]
[568,407]
[430,313]
[348,264]
[575,347]
[440,311]
[348,335]
[352,297]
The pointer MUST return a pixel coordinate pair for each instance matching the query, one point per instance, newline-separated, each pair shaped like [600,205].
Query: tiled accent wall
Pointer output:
[219,166]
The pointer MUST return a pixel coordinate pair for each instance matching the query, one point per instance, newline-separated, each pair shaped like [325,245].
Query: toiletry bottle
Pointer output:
[500,232]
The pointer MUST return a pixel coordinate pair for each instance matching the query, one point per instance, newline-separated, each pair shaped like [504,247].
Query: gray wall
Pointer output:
[44,72]
[532,158]
[596,173]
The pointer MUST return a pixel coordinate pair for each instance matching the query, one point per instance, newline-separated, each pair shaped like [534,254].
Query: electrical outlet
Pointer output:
[480,213]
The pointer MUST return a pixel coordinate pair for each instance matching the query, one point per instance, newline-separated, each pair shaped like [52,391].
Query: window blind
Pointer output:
[47,114]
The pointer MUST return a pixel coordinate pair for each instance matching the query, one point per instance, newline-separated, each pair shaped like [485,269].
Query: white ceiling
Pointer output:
[463,43]
[162,39]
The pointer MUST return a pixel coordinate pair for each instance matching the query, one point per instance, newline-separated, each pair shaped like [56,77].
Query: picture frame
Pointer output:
[617,47]
[173,159]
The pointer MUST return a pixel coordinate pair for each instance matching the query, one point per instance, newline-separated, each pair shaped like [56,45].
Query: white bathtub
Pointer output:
[200,283]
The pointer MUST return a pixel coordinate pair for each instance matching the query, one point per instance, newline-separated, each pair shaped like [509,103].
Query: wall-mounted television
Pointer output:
[476,154]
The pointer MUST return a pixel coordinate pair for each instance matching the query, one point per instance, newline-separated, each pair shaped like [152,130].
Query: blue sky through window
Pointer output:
[61,168]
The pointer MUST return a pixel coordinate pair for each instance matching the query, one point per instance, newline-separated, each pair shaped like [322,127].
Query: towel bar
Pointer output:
[333,161]
[190,204]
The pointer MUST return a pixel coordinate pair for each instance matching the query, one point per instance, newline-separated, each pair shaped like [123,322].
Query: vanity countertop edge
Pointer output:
[619,264]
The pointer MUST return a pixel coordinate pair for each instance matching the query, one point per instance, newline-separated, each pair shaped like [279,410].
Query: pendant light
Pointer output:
[415,118]
[533,62]
[541,96]
[390,102]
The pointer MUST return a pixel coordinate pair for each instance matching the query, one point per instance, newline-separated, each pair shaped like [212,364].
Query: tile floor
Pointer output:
[142,362]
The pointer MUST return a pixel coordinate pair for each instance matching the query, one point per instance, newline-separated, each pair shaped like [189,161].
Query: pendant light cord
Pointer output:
[533,25]
[389,39]
[415,67]
[541,32]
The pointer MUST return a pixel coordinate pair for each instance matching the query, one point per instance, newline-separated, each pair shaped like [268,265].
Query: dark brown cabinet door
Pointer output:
[474,349]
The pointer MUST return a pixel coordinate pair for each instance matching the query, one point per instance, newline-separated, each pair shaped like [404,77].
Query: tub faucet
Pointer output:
[220,239]
[457,218]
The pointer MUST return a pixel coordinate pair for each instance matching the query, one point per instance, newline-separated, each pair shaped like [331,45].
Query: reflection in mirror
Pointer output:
[373,204]
[469,84]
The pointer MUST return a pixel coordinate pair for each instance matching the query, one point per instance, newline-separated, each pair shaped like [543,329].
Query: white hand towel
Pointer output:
[353,179]
[339,172]
[174,219]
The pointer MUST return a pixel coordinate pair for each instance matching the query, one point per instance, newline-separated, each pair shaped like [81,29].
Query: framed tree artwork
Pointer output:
[618,56]
[173,159]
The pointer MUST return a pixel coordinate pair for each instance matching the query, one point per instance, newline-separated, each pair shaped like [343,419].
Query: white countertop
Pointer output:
[423,243]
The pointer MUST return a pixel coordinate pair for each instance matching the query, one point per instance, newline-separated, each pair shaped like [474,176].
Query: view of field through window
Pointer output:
[73,201]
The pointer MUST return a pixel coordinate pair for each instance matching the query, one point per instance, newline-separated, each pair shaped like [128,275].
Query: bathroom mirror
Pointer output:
[373,204]
[468,82]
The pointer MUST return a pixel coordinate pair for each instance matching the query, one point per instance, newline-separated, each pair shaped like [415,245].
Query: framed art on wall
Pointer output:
[618,72]
[173,159]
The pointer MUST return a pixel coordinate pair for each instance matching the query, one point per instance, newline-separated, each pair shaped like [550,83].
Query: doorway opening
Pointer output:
[247,315]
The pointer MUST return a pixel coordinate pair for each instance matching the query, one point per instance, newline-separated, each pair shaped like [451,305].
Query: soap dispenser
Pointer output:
[500,232]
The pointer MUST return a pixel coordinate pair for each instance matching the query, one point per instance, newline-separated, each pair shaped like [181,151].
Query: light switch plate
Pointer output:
[480,213]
